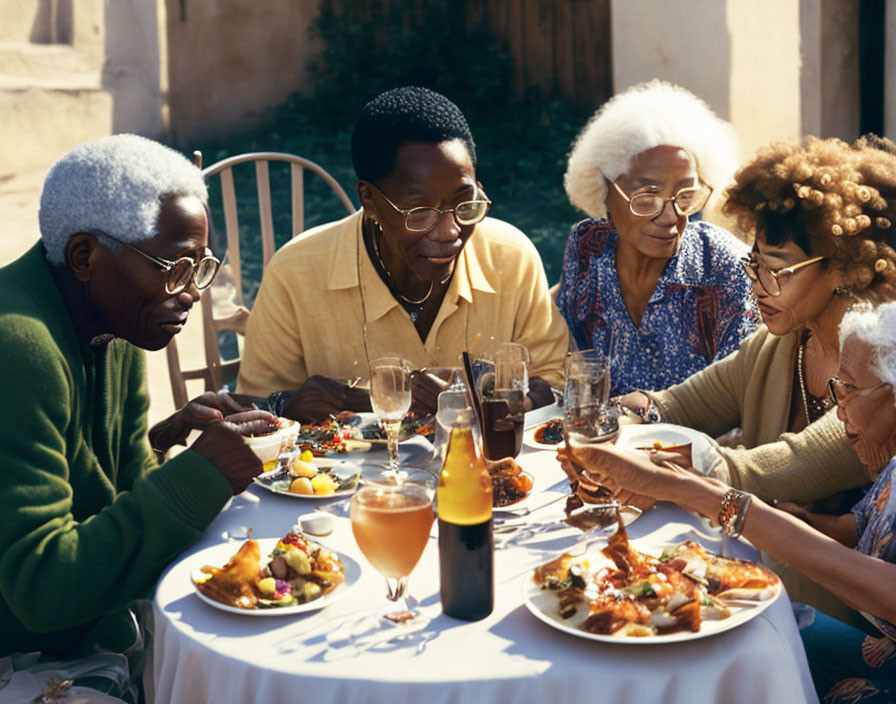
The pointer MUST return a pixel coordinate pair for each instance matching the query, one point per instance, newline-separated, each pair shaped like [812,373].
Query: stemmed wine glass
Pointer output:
[391,520]
[390,396]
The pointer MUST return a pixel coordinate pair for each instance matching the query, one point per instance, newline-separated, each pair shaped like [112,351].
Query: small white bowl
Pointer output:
[267,446]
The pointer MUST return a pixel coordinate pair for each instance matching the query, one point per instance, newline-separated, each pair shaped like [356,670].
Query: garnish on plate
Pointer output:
[296,572]
[634,594]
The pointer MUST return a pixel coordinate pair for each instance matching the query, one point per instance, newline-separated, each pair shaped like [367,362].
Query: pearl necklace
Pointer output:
[823,405]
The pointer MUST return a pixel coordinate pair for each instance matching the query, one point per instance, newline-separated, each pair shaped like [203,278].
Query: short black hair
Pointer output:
[399,116]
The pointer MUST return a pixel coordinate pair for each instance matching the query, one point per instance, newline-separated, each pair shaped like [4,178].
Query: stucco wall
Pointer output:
[226,65]
[743,58]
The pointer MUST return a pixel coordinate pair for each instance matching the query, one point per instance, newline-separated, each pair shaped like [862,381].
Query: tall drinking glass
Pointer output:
[502,403]
[587,413]
[391,521]
[390,396]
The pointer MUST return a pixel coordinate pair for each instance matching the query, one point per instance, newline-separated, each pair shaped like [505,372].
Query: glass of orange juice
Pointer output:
[391,520]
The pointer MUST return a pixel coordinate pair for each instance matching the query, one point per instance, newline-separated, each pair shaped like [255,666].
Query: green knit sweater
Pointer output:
[88,519]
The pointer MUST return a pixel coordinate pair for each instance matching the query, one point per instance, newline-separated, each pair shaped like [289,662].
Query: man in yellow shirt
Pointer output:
[419,272]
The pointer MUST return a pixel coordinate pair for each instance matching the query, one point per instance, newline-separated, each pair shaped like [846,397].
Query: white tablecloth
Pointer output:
[202,654]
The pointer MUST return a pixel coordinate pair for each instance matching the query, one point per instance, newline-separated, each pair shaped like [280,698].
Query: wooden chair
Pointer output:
[221,305]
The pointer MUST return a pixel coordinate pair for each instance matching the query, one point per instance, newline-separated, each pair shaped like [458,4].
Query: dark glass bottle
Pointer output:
[466,545]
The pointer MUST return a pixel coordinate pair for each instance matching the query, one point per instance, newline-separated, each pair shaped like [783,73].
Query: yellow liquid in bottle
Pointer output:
[465,488]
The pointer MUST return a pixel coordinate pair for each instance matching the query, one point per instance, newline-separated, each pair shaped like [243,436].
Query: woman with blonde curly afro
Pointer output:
[823,217]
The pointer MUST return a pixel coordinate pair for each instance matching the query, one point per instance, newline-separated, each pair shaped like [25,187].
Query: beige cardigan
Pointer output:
[752,388]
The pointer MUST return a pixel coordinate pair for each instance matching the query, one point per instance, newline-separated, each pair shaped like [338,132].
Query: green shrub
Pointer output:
[522,145]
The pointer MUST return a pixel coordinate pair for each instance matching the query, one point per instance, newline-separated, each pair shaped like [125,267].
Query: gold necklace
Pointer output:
[825,403]
[391,283]
[364,305]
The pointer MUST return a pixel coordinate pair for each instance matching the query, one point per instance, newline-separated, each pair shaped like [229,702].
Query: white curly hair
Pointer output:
[643,117]
[112,185]
[875,325]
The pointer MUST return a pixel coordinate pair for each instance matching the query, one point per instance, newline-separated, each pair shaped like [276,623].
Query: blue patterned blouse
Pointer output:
[875,522]
[701,310]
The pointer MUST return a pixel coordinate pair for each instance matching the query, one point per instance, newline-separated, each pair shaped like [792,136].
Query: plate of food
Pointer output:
[621,595]
[272,577]
[303,476]
[510,482]
[700,449]
[544,436]
[411,425]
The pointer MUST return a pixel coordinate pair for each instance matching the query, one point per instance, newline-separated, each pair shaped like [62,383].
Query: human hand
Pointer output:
[793,509]
[253,422]
[622,471]
[203,410]
[321,397]
[222,445]
[636,401]
[210,407]
[591,491]
[540,394]
[425,390]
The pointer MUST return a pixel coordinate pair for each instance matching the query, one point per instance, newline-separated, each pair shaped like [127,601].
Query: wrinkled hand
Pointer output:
[793,509]
[210,407]
[621,470]
[540,394]
[635,401]
[222,445]
[203,410]
[588,488]
[425,390]
[320,397]
[253,422]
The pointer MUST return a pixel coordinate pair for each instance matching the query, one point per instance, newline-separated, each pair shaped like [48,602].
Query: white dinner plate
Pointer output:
[530,441]
[704,450]
[218,555]
[271,482]
[544,605]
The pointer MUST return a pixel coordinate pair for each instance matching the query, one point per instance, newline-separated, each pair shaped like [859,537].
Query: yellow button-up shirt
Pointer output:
[309,316]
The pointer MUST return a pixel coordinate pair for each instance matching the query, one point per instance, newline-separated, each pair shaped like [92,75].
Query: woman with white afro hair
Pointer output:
[662,296]
[851,553]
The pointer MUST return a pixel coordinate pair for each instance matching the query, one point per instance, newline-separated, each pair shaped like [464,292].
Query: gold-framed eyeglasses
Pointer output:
[182,271]
[840,390]
[425,218]
[648,205]
[770,279]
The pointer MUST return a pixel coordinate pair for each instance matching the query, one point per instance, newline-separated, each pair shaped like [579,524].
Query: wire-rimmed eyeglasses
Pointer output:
[840,390]
[425,218]
[182,271]
[648,205]
[770,279]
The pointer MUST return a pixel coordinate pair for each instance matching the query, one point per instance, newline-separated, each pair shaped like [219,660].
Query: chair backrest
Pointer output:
[222,305]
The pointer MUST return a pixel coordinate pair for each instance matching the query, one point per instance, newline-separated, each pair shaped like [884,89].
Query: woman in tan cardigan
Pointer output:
[823,215]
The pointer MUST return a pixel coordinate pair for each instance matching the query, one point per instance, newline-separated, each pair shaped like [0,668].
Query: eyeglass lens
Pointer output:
[687,201]
[466,213]
[766,277]
[184,271]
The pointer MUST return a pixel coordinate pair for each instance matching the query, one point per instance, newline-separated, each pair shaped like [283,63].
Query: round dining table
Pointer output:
[346,651]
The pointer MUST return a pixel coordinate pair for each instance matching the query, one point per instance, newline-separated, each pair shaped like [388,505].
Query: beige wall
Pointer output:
[777,69]
[227,61]
[742,57]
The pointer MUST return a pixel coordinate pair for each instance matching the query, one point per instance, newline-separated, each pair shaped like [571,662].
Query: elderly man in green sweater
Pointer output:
[90,515]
